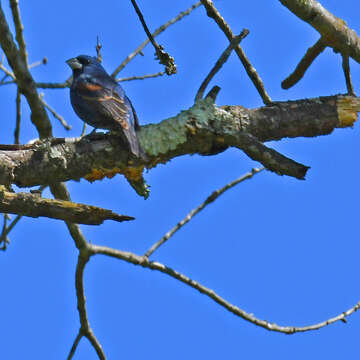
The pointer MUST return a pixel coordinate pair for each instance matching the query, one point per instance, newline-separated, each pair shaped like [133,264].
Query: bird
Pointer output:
[101,102]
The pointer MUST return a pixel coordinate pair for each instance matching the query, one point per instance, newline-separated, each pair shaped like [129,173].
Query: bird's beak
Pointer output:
[74,63]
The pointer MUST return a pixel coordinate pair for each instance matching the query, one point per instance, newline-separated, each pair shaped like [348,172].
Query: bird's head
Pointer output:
[85,64]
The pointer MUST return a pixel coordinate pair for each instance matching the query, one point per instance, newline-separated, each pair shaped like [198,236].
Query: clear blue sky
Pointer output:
[283,249]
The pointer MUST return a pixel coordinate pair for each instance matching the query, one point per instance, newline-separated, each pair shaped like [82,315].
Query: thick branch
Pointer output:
[202,129]
[24,79]
[333,30]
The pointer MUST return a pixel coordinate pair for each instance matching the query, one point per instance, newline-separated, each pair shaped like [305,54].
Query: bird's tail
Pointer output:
[134,145]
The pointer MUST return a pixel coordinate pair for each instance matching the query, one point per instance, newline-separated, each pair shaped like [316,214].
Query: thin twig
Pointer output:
[311,54]
[58,85]
[7,72]
[85,329]
[67,83]
[83,130]
[221,61]
[161,73]
[211,198]
[154,265]
[18,116]
[346,68]
[44,61]
[250,70]
[3,238]
[163,57]
[19,28]
[75,345]
[54,113]
[154,34]
[98,49]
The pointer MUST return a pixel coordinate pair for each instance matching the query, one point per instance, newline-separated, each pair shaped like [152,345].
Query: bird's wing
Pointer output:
[110,100]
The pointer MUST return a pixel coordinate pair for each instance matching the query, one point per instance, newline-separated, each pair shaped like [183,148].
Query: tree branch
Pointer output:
[333,30]
[221,61]
[310,56]
[250,70]
[154,265]
[201,129]
[154,34]
[34,205]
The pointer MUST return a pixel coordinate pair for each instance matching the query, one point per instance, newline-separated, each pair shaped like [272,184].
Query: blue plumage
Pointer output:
[101,102]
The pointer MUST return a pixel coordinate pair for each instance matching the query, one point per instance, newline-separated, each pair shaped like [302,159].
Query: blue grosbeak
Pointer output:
[101,102]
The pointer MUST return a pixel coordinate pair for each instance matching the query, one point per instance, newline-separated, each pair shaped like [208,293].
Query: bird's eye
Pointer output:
[84,61]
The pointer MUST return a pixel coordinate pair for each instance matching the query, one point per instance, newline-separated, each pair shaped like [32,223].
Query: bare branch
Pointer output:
[18,117]
[44,61]
[161,73]
[24,79]
[54,113]
[75,345]
[154,34]
[250,70]
[98,49]
[4,240]
[34,205]
[346,68]
[333,30]
[19,28]
[154,265]
[311,54]
[221,61]
[199,129]
[211,198]
[85,329]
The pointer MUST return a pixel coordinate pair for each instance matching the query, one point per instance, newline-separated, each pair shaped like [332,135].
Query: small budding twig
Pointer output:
[163,57]
[311,54]
[154,34]
[221,61]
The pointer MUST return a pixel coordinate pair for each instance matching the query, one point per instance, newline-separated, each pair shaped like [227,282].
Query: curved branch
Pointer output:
[154,265]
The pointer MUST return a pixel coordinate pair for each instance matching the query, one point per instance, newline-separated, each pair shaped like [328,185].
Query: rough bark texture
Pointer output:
[203,129]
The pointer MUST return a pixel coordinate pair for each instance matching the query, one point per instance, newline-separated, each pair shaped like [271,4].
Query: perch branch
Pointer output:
[199,129]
